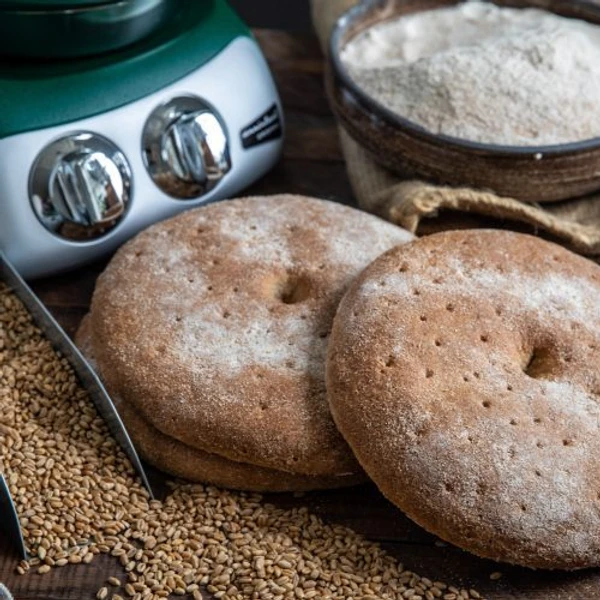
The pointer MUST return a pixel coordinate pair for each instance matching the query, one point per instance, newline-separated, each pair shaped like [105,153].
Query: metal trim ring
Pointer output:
[185,147]
[84,202]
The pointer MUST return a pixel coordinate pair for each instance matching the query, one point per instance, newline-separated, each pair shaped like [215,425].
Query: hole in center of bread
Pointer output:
[294,290]
[540,364]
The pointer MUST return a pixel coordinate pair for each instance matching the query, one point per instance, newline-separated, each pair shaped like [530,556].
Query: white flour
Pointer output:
[475,71]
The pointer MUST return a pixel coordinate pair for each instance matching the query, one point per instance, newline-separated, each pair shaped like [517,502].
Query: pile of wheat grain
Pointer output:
[78,496]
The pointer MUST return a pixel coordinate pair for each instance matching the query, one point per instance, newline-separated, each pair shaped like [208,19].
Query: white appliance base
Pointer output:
[237,82]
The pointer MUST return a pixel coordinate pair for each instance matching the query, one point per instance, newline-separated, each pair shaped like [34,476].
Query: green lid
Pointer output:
[52,4]
[35,95]
[48,30]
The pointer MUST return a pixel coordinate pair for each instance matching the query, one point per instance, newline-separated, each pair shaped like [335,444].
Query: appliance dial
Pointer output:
[185,147]
[80,186]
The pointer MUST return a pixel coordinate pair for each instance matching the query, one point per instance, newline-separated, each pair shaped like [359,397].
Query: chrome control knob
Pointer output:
[80,186]
[185,147]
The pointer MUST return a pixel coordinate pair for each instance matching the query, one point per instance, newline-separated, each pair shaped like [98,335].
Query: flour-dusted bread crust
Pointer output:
[214,326]
[464,372]
[175,458]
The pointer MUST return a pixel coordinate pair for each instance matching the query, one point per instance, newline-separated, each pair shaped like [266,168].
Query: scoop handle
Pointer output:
[9,521]
[88,378]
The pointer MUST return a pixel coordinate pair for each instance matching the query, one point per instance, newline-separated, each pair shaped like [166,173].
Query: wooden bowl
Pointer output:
[529,173]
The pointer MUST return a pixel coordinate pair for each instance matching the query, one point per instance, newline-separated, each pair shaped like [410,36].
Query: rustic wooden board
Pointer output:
[313,165]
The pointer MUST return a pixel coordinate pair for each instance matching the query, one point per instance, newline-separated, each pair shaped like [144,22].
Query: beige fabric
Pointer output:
[409,203]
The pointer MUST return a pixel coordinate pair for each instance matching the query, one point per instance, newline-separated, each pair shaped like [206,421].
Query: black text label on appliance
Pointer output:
[264,129]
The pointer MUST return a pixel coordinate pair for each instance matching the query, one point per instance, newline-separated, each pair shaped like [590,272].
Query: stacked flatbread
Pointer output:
[462,370]
[210,331]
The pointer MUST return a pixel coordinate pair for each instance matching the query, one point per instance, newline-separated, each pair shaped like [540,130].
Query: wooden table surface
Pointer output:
[312,165]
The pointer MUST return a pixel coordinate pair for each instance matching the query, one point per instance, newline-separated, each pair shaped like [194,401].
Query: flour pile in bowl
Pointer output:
[479,72]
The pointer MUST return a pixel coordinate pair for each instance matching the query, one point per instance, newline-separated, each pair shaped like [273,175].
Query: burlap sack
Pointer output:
[413,203]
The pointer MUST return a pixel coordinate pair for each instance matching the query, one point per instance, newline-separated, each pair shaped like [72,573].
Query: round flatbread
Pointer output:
[175,458]
[464,372]
[213,325]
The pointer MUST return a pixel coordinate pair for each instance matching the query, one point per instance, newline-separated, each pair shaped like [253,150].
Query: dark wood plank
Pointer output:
[75,582]
[268,13]
[281,47]
[297,66]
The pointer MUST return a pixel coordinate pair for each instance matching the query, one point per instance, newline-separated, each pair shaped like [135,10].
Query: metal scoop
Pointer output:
[61,342]
[4,593]
[9,518]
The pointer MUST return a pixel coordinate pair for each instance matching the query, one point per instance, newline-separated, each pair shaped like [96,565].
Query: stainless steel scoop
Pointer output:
[88,378]
[10,520]
[4,593]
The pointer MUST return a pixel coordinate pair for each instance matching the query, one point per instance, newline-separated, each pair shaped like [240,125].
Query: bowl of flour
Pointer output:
[474,93]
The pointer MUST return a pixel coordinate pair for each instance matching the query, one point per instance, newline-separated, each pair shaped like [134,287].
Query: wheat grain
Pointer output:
[78,496]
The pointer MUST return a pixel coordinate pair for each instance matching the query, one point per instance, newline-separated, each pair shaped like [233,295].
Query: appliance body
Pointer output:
[95,149]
